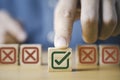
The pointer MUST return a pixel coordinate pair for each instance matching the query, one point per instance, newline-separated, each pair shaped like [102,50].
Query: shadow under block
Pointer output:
[30,54]
[87,57]
[9,54]
[109,55]
[59,59]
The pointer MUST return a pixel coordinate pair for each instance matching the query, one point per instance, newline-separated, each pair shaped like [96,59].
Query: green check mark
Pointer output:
[59,62]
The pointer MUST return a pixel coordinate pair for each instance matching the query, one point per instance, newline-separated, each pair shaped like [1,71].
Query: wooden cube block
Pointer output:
[87,57]
[109,55]
[59,59]
[9,54]
[30,54]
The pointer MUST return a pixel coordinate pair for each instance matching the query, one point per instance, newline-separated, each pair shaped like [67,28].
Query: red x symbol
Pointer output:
[30,55]
[110,55]
[85,56]
[7,57]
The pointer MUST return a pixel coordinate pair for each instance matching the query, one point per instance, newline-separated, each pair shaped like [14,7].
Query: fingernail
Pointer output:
[61,42]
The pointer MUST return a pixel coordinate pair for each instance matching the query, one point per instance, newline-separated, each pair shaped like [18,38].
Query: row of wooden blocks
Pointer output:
[93,56]
[60,59]
[87,57]
[19,55]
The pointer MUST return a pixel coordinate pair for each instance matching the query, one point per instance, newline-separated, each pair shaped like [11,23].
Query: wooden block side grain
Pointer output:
[87,57]
[109,55]
[8,54]
[59,59]
[30,54]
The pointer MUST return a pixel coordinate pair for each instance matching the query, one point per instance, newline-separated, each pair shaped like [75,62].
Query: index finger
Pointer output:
[63,22]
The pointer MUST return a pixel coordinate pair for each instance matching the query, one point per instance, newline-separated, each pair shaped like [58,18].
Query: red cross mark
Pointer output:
[30,55]
[87,55]
[7,55]
[110,55]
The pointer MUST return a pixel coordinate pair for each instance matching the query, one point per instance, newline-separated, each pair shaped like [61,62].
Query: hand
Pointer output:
[10,30]
[91,13]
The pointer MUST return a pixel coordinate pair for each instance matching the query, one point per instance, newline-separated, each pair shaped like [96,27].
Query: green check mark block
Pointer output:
[59,60]
[65,58]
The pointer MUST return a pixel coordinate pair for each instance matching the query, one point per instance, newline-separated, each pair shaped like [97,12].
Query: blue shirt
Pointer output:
[37,19]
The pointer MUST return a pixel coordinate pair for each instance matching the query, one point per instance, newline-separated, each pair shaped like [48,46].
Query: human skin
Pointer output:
[11,30]
[91,12]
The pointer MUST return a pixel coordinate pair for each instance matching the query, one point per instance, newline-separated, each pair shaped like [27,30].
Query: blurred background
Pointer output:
[36,17]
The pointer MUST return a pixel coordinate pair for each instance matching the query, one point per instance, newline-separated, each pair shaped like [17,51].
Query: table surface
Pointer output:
[32,72]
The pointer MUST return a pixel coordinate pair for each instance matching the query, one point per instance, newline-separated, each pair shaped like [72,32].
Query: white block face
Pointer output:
[87,56]
[59,59]
[30,54]
[9,54]
[109,55]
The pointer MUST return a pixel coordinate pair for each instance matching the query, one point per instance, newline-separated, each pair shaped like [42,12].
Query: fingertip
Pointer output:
[89,40]
[114,34]
[22,36]
[116,31]
[103,38]
[60,42]
[89,20]
[107,29]
[89,30]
